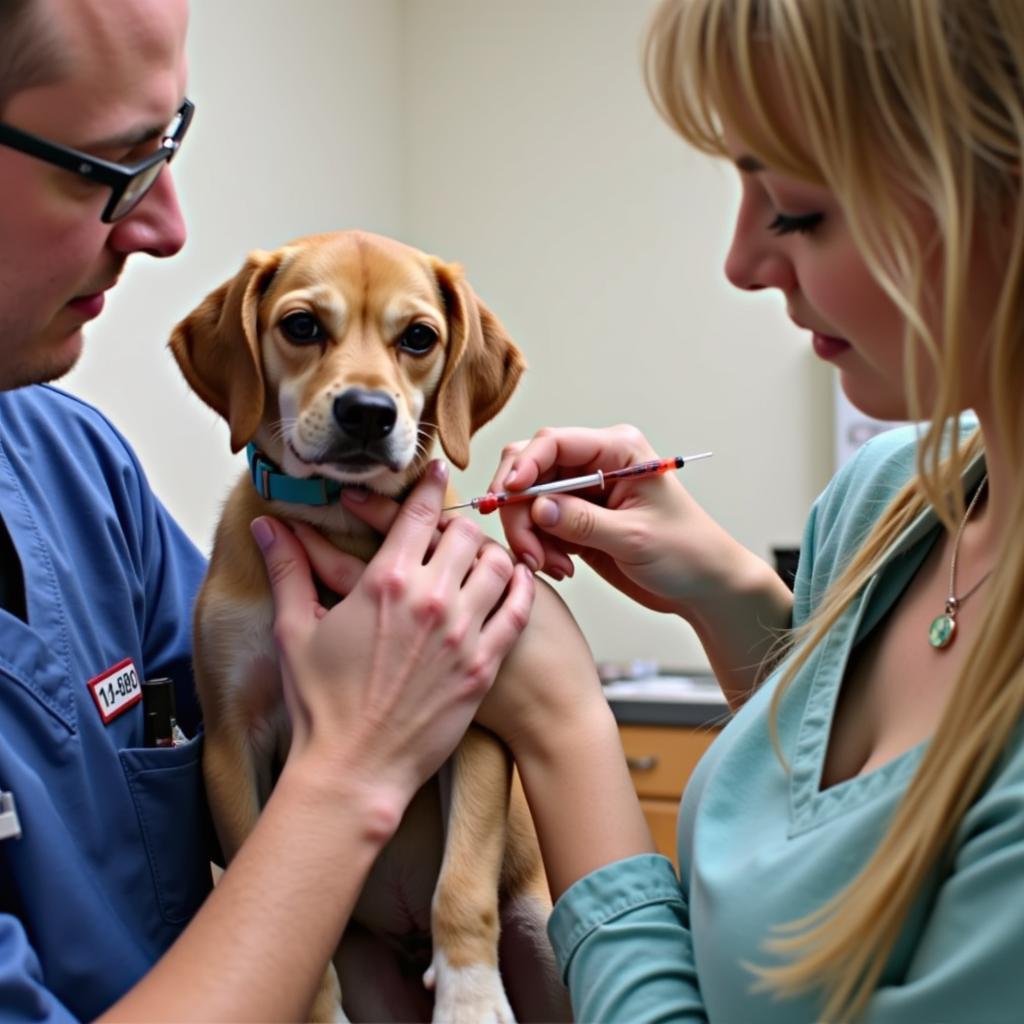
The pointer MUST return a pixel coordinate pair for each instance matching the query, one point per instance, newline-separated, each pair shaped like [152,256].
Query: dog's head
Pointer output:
[344,355]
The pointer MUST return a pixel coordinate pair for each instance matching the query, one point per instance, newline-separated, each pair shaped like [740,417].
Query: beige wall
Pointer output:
[516,138]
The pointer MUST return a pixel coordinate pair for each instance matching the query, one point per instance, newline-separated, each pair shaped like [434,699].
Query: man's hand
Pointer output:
[385,684]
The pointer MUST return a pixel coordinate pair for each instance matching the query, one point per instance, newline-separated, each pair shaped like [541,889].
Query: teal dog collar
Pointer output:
[272,484]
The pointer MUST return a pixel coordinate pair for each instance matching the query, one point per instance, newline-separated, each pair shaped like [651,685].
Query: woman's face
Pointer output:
[793,235]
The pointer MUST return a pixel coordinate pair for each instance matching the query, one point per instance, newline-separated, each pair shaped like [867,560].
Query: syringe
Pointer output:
[602,478]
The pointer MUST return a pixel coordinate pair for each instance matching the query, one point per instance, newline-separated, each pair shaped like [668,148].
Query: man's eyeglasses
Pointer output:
[128,183]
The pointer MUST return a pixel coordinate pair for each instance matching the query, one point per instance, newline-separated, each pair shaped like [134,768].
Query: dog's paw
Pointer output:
[467,995]
[326,1007]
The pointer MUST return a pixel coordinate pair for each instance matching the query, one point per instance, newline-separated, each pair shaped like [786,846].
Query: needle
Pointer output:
[489,502]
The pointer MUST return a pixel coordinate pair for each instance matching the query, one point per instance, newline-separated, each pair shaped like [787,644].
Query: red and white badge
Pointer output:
[116,690]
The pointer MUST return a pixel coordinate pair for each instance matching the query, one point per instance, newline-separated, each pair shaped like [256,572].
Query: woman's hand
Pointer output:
[646,537]
[386,682]
[650,540]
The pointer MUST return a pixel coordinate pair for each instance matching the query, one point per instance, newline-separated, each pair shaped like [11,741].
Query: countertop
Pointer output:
[668,698]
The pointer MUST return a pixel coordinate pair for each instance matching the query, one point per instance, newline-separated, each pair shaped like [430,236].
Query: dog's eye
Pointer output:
[418,339]
[302,329]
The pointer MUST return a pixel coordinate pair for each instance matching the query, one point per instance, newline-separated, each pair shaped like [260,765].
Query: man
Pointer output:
[105,906]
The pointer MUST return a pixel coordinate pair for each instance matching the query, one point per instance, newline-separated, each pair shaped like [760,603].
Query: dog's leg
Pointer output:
[326,1007]
[231,787]
[465,923]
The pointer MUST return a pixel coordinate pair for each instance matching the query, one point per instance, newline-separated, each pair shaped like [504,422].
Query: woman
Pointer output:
[853,843]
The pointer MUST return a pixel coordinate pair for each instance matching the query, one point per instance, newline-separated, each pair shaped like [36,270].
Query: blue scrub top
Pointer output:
[113,860]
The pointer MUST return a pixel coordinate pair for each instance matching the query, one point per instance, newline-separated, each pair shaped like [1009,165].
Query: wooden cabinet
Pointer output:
[660,760]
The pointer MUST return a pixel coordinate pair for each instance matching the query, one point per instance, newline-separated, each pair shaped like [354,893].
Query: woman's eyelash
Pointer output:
[785,225]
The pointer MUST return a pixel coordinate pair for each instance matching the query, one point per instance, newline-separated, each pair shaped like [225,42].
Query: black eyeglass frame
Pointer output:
[117,177]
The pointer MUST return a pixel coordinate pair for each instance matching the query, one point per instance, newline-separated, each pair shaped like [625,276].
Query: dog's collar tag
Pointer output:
[272,484]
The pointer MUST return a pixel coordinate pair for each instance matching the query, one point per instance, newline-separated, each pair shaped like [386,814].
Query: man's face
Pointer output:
[57,258]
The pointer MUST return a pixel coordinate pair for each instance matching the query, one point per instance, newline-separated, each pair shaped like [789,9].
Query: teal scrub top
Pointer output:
[760,846]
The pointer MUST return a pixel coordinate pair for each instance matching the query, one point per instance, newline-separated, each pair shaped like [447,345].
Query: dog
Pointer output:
[337,360]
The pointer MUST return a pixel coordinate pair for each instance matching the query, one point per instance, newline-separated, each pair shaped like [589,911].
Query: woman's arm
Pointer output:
[549,709]
[620,927]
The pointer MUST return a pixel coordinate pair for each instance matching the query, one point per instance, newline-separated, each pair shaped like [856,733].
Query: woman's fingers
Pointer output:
[570,451]
[509,454]
[540,531]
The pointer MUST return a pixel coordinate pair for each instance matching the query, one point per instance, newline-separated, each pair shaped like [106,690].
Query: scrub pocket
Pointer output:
[166,784]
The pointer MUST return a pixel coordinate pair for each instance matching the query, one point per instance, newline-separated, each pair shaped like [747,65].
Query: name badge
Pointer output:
[116,690]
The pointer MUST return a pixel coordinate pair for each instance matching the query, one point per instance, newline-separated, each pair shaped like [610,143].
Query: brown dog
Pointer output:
[338,359]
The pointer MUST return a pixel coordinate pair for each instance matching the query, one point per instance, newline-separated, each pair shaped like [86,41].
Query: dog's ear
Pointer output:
[482,368]
[217,347]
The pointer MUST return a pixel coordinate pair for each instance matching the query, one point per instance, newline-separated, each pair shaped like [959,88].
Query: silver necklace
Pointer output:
[943,627]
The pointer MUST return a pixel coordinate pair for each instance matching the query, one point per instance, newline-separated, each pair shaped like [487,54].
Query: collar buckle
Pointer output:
[273,485]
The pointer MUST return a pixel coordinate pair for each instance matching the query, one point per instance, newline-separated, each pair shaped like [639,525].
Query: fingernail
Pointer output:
[530,562]
[439,468]
[511,478]
[354,495]
[545,512]
[262,532]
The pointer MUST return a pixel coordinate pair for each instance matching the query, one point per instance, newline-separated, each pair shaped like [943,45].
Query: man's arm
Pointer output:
[258,946]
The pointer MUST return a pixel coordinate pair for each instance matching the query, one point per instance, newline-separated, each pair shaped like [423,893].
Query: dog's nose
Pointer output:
[365,416]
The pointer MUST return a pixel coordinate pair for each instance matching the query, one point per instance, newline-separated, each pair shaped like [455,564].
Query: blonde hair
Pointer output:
[901,108]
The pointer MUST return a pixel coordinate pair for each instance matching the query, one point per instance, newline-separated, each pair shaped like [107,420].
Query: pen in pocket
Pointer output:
[160,723]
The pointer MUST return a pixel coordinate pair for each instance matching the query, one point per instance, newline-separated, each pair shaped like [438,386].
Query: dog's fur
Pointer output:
[344,355]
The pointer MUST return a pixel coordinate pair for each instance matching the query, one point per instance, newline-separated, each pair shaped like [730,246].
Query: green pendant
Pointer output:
[940,633]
